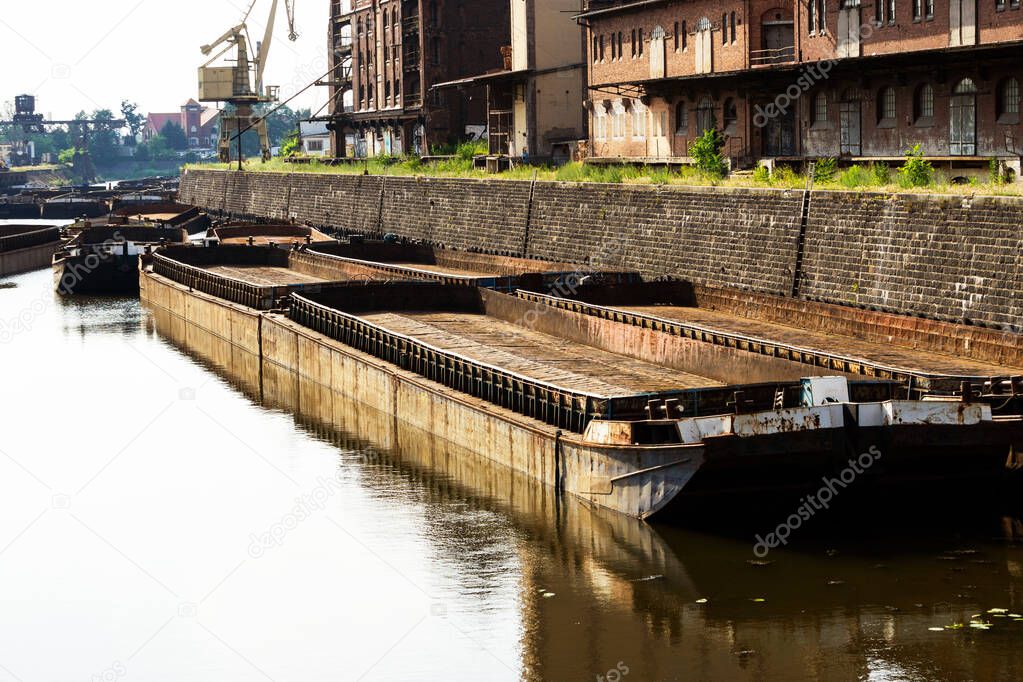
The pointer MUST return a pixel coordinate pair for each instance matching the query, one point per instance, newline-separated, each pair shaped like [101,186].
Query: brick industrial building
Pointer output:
[534,103]
[859,79]
[388,54]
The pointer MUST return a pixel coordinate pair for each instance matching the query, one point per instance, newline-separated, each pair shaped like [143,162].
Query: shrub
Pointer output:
[824,170]
[762,174]
[916,171]
[706,153]
[290,146]
[882,173]
[467,150]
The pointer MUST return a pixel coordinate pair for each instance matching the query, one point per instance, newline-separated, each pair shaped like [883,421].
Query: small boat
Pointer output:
[105,259]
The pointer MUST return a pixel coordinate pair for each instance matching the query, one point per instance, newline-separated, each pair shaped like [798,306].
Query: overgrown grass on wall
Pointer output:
[872,177]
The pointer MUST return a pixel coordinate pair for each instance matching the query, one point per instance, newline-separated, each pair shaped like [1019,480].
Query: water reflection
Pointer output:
[600,593]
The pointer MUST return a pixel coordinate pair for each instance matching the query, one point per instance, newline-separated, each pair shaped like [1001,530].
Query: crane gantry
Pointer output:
[241,85]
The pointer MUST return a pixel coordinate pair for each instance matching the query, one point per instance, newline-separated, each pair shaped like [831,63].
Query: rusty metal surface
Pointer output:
[262,275]
[914,361]
[536,355]
[834,353]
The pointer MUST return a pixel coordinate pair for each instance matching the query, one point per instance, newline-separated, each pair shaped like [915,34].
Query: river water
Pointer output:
[172,513]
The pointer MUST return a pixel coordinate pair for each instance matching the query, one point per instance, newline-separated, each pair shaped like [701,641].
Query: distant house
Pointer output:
[201,124]
[315,138]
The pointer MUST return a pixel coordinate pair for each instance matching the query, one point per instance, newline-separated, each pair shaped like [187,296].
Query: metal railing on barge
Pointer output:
[28,238]
[260,297]
[567,409]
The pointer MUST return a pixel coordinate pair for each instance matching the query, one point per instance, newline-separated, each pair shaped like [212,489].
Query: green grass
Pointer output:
[874,177]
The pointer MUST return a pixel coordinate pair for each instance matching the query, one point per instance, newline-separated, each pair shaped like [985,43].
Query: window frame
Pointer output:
[887,107]
[923,107]
[820,111]
[682,118]
[1007,104]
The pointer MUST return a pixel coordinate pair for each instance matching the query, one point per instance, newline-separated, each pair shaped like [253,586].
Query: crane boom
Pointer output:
[231,84]
[264,47]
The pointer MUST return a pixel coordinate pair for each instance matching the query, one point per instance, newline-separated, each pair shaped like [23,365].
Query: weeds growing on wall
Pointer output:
[706,153]
[916,171]
[824,169]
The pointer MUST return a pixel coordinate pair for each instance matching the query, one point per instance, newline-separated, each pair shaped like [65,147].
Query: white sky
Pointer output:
[83,54]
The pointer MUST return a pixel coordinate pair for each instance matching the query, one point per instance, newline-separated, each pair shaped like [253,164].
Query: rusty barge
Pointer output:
[610,394]
[27,247]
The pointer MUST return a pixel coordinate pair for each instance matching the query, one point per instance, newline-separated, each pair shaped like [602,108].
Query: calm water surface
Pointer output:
[170,512]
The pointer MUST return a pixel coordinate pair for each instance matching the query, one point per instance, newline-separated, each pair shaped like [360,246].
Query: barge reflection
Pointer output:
[601,592]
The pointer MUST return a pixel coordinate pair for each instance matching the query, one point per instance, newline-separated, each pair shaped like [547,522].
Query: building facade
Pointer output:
[394,52]
[200,124]
[534,103]
[855,79]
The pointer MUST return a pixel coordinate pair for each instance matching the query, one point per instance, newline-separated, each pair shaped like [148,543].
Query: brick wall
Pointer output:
[942,257]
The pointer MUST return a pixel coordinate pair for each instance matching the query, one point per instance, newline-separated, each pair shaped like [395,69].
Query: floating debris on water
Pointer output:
[937,629]
[759,562]
[998,610]
[648,578]
[701,601]
[548,595]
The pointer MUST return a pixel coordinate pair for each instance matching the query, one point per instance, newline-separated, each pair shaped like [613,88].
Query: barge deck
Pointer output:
[915,361]
[535,355]
[263,275]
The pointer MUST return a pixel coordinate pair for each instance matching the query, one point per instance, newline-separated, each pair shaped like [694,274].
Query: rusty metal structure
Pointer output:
[241,85]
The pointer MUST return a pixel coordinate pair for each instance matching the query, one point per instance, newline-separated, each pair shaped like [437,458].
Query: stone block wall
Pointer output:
[949,258]
[941,257]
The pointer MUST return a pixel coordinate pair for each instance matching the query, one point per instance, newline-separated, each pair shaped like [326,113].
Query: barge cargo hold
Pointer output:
[465,364]
[27,247]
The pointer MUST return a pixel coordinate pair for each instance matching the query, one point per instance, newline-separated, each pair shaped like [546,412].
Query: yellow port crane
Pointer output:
[234,84]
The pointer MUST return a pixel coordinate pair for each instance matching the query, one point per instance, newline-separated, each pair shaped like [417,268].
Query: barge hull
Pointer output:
[636,481]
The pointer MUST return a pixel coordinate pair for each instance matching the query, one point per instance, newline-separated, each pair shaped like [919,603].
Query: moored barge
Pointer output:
[105,260]
[550,392]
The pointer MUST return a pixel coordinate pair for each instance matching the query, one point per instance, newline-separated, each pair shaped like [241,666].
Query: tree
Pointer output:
[135,121]
[103,141]
[174,134]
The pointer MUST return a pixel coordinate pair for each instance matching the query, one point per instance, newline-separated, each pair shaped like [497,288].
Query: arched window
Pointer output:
[965,86]
[923,103]
[820,108]
[731,114]
[705,116]
[886,105]
[681,118]
[1007,106]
